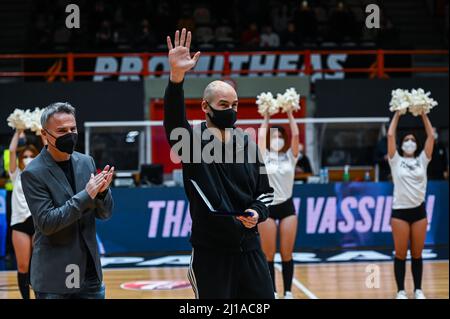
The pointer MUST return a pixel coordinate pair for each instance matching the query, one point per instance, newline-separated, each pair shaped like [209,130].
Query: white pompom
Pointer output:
[289,101]
[24,120]
[36,121]
[400,101]
[420,102]
[16,120]
[266,104]
[27,119]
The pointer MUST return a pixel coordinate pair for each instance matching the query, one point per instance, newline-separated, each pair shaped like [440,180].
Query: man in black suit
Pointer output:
[65,196]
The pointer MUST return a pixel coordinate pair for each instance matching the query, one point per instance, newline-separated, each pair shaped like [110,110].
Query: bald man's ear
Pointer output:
[204,106]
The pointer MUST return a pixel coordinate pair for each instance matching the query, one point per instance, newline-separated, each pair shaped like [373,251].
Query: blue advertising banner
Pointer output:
[2,222]
[338,215]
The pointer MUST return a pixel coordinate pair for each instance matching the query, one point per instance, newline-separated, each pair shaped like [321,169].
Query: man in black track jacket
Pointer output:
[227,260]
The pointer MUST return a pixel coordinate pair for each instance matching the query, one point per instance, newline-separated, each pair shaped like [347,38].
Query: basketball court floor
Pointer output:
[364,274]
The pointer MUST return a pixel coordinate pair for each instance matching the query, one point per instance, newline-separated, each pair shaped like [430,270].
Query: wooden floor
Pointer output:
[326,280]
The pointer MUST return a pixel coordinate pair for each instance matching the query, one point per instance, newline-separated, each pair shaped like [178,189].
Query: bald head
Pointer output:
[220,96]
[218,91]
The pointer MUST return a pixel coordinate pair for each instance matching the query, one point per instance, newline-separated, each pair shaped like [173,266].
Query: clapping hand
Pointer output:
[100,182]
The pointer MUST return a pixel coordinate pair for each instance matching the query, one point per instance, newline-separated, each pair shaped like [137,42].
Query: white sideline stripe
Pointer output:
[323,120]
[362,262]
[299,285]
[148,268]
[319,264]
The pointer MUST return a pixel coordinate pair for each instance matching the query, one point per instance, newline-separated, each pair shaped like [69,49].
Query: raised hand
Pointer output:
[180,59]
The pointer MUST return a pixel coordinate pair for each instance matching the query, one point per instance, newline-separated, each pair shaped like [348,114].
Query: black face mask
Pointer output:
[65,143]
[223,118]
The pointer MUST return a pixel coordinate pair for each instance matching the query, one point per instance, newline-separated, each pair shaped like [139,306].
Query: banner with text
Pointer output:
[241,64]
[340,215]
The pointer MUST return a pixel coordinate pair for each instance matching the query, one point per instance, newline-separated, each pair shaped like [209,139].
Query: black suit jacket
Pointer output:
[64,222]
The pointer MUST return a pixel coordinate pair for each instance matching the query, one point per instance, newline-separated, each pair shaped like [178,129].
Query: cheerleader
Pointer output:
[21,221]
[409,218]
[280,159]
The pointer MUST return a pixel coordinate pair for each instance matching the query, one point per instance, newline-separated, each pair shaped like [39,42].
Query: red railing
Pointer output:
[378,69]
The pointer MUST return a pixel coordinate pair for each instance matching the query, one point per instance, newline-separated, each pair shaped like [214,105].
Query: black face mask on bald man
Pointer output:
[65,143]
[223,119]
